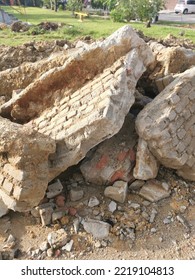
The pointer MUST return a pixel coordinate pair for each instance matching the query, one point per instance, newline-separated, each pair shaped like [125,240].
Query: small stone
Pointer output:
[97,244]
[153,230]
[76,194]
[57,253]
[57,215]
[96,212]
[72,211]
[186,235]
[112,206]
[145,215]
[153,191]
[44,246]
[97,228]
[10,242]
[146,203]
[160,239]
[192,201]
[54,189]
[35,212]
[184,222]
[68,246]
[117,192]
[76,224]
[167,220]
[60,200]
[136,185]
[134,205]
[104,243]
[65,220]
[93,201]
[57,239]
[153,215]
[182,208]
[50,252]
[46,214]
[10,239]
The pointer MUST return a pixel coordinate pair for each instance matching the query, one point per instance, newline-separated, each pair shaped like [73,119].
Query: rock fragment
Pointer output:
[93,201]
[54,189]
[146,164]
[112,206]
[57,239]
[46,215]
[97,228]
[153,191]
[117,192]
[76,194]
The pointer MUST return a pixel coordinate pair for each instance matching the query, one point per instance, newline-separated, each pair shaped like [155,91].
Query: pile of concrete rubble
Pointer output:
[92,106]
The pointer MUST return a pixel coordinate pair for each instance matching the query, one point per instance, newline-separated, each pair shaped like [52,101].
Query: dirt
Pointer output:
[170,241]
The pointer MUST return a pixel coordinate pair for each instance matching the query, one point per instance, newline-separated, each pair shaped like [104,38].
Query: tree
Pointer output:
[104,4]
[74,5]
[136,9]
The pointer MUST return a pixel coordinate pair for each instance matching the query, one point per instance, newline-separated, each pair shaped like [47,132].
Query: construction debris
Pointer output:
[53,107]
[85,119]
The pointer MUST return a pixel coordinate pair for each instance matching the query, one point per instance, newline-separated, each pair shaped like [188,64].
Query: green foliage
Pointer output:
[35,30]
[47,4]
[104,4]
[139,9]
[74,5]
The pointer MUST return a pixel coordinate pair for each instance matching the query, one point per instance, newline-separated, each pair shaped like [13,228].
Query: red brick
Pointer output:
[122,155]
[72,211]
[102,162]
[132,155]
[60,200]
[118,175]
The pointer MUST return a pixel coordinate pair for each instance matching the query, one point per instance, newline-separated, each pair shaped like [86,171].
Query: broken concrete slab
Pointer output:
[118,191]
[97,228]
[167,125]
[154,190]
[24,165]
[70,114]
[170,60]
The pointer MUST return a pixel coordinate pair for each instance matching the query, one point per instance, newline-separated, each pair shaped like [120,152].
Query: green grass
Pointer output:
[96,27]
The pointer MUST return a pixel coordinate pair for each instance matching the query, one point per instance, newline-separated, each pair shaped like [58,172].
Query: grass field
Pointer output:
[96,27]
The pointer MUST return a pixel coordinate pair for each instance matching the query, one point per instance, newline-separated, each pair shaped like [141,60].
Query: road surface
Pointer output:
[171,16]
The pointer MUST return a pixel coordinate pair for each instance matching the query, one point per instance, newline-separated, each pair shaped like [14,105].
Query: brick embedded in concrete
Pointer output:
[177,139]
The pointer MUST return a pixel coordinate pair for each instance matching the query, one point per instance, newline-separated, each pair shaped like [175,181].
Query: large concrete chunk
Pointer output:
[168,125]
[24,165]
[73,108]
